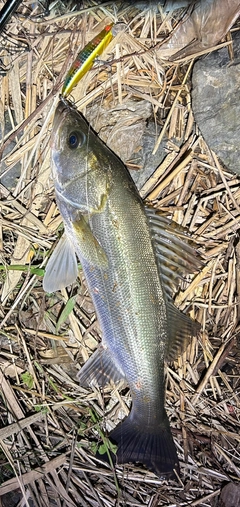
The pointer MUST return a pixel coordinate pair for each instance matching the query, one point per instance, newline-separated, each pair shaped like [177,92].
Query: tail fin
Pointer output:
[150,446]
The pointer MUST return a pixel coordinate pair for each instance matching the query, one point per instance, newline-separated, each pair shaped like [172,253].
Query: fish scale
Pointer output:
[109,229]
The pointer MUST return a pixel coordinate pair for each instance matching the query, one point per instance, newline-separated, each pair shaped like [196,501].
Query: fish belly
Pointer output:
[131,310]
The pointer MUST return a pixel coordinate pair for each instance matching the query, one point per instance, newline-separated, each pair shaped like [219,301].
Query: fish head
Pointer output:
[80,166]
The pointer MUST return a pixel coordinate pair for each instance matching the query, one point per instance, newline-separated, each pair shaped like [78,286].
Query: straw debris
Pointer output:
[51,427]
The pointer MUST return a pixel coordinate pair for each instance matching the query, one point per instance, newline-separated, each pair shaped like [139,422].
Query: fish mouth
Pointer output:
[63,108]
[58,118]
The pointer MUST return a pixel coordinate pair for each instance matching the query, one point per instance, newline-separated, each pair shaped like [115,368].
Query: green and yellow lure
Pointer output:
[85,59]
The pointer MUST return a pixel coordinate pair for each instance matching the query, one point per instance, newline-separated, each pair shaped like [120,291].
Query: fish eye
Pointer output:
[75,140]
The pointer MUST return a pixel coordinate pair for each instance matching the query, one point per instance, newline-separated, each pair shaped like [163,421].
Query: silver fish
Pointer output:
[129,256]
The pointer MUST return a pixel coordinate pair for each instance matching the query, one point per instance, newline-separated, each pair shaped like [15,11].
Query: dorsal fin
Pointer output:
[180,330]
[176,253]
[177,256]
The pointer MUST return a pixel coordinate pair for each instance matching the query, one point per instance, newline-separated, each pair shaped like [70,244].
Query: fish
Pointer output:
[85,59]
[131,256]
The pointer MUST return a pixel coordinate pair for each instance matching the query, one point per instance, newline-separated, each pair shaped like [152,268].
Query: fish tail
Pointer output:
[151,446]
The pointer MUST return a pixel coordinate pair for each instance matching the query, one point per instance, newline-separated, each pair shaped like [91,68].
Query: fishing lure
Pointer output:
[85,59]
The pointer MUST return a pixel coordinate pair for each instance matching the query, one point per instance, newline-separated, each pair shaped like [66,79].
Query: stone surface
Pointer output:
[216,103]
[122,126]
[167,5]
[230,495]
[145,158]
[128,130]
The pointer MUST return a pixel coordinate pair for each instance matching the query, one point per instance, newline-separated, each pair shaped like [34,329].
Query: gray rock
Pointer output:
[167,5]
[145,158]
[230,495]
[172,5]
[129,132]
[122,126]
[216,103]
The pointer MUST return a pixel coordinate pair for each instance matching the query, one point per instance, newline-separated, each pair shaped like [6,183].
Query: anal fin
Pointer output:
[99,369]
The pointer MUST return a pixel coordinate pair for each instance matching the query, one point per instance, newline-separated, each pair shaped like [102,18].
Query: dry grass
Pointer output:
[50,426]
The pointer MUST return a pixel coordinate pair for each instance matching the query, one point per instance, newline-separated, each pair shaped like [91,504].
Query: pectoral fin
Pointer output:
[61,269]
[89,246]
